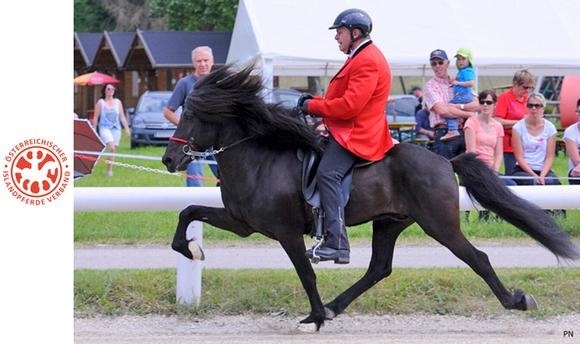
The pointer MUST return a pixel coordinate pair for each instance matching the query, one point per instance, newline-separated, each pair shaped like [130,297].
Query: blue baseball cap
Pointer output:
[438,54]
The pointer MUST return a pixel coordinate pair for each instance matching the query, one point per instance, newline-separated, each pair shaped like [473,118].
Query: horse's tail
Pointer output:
[484,185]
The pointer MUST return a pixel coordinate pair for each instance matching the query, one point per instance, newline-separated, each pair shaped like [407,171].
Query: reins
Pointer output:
[188,147]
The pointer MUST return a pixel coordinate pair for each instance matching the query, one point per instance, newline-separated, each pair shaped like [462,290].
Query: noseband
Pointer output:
[189,147]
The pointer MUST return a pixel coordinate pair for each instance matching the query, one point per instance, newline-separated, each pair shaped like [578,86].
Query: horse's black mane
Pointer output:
[227,94]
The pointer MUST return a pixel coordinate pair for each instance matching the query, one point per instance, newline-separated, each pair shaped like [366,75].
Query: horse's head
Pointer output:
[207,120]
[185,144]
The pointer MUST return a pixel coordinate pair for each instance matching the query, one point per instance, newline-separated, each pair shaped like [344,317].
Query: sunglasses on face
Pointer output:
[486,102]
[437,62]
[110,88]
[527,88]
[534,106]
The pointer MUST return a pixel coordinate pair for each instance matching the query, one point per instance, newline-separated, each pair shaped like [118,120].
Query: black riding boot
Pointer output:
[334,165]
[335,246]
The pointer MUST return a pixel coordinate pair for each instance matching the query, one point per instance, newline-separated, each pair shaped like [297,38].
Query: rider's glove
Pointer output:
[303,102]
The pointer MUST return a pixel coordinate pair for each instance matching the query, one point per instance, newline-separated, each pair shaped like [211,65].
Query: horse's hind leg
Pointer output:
[385,234]
[217,217]
[456,242]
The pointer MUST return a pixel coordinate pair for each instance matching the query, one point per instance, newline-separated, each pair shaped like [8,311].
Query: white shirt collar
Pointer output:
[358,47]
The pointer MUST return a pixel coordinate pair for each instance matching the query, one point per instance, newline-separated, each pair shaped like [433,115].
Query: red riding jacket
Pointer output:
[354,106]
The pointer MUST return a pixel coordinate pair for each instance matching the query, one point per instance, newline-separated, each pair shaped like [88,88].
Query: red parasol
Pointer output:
[95,78]
[86,141]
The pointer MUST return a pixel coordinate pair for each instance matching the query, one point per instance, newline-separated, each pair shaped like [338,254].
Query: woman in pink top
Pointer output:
[484,137]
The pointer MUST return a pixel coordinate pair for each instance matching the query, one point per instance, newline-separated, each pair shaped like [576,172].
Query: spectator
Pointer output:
[353,110]
[572,140]
[510,108]
[534,145]
[463,85]
[202,60]
[423,130]
[484,136]
[109,115]
[438,92]
[418,93]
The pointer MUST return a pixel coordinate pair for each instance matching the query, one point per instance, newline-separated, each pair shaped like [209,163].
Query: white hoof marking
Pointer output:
[196,250]
[531,303]
[307,328]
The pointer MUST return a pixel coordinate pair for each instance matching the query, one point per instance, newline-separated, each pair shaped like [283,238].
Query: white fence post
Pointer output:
[188,284]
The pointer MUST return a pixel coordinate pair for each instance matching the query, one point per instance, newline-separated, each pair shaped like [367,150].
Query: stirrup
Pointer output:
[316,259]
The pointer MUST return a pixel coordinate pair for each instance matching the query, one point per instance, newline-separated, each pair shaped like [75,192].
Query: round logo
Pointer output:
[36,171]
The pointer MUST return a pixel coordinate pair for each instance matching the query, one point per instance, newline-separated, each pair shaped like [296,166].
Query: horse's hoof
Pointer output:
[196,250]
[531,304]
[307,328]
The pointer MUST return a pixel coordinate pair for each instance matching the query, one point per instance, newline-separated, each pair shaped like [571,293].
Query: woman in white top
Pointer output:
[572,140]
[109,115]
[534,143]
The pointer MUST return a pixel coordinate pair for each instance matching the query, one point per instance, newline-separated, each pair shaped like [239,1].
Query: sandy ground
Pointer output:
[352,329]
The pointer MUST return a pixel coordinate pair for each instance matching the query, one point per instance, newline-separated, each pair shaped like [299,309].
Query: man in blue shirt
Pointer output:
[202,59]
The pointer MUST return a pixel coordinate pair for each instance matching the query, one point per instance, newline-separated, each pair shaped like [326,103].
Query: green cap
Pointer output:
[465,53]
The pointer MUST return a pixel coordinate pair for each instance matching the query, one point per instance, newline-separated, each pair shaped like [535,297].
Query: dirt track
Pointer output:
[352,329]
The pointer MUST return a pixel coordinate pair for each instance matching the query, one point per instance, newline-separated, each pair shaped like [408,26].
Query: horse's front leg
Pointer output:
[217,217]
[295,249]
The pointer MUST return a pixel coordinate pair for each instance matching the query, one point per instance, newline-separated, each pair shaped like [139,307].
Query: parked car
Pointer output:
[148,125]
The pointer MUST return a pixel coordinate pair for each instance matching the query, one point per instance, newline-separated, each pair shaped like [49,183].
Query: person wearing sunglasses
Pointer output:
[484,137]
[510,108]
[572,140]
[484,134]
[438,93]
[534,145]
[108,118]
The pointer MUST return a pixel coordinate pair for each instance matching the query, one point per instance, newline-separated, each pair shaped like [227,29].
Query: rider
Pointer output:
[353,110]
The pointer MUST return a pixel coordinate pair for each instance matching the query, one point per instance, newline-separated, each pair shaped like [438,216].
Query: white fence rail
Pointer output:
[188,289]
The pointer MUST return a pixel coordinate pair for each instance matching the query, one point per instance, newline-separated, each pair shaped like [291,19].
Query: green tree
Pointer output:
[195,15]
[90,16]
[114,15]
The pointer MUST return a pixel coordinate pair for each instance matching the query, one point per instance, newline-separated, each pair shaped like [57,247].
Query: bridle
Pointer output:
[189,147]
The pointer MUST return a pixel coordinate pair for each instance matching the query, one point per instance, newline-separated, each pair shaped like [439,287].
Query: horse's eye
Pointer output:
[188,115]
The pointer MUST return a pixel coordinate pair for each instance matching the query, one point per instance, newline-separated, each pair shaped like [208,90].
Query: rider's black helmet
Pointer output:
[354,18]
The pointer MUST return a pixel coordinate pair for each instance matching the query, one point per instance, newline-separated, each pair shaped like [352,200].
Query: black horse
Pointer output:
[260,177]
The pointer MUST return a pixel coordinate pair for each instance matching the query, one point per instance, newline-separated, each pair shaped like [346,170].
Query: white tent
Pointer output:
[291,37]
